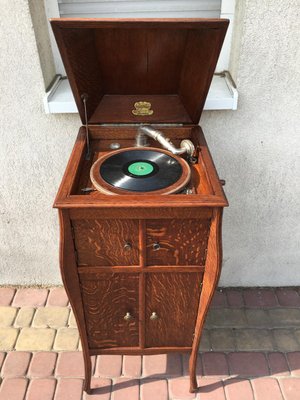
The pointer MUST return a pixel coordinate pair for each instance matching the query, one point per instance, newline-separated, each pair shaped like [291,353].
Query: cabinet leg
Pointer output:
[88,373]
[192,368]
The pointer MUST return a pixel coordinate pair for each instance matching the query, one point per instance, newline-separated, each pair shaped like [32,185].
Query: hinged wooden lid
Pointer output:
[140,70]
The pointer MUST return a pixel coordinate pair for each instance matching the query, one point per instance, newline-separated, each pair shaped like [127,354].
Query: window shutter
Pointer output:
[139,8]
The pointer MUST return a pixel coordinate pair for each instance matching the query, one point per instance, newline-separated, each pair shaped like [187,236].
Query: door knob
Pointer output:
[153,316]
[127,246]
[156,246]
[128,316]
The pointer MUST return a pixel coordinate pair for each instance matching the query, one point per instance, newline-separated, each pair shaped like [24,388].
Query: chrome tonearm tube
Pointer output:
[186,146]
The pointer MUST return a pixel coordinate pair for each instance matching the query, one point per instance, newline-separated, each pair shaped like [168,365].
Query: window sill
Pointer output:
[222,95]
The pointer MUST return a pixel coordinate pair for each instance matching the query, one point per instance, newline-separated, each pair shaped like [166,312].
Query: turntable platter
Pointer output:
[140,171]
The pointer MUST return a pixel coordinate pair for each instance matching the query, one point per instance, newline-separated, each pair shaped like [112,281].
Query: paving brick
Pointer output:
[29,297]
[205,344]
[132,366]
[290,388]
[254,339]
[53,317]
[8,338]
[222,339]
[235,298]
[162,364]
[66,339]
[42,364]
[219,299]
[6,296]
[109,366]
[101,389]
[215,364]
[179,389]
[258,318]
[288,297]
[285,340]
[72,321]
[266,389]
[294,362]
[16,364]
[285,317]
[211,389]
[278,364]
[260,298]
[70,364]
[238,389]
[125,389]
[68,389]
[247,364]
[226,317]
[185,365]
[24,317]
[41,389]
[7,315]
[13,389]
[154,389]
[57,297]
[33,339]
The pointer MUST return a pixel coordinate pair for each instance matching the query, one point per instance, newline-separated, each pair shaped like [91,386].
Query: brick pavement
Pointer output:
[250,350]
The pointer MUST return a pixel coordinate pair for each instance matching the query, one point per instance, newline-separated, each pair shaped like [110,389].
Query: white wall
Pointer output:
[256,149]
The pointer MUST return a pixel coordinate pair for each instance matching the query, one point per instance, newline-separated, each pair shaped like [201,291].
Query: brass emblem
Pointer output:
[142,108]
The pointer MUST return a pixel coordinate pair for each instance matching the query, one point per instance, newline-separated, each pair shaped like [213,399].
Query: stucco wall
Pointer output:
[256,149]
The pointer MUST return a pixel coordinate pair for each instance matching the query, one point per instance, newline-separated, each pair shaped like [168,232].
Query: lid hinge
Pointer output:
[84,98]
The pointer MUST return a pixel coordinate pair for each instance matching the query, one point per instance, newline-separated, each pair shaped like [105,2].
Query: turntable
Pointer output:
[140,203]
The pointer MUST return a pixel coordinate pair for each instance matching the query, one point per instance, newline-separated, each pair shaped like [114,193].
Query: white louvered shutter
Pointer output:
[139,8]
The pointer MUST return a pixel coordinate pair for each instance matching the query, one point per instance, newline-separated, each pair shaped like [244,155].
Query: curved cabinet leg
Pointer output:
[68,270]
[210,280]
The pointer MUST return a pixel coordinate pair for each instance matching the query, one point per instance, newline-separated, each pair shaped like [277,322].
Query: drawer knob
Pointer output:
[153,316]
[156,246]
[127,246]
[128,316]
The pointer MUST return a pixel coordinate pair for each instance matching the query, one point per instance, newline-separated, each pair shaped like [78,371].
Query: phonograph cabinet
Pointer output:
[140,223]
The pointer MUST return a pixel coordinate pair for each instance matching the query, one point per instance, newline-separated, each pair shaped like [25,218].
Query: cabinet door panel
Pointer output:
[107,298]
[174,298]
[102,242]
[176,241]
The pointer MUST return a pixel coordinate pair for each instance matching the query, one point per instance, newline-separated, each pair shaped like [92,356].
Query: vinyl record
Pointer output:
[140,171]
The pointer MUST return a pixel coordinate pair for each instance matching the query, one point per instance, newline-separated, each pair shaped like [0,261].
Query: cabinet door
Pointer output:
[107,299]
[176,241]
[171,308]
[106,242]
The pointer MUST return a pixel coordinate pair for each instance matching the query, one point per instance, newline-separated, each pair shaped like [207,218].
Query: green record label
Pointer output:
[140,168]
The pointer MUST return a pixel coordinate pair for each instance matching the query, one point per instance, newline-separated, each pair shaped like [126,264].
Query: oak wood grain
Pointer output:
[180,241]
[102,242]
[174,298]
[106,300]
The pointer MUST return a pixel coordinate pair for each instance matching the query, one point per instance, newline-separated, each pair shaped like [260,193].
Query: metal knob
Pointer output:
[153,316]
[128,316]
[156,246]
[127,246]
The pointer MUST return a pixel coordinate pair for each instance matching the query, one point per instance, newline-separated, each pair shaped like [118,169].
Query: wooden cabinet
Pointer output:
[140,269]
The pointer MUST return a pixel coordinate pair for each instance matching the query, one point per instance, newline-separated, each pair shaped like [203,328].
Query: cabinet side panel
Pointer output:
[107,298]
[173,298]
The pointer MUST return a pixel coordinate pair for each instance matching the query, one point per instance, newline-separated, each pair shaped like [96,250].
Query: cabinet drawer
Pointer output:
[106,242]
[177,242]
[107,299]
[171,308]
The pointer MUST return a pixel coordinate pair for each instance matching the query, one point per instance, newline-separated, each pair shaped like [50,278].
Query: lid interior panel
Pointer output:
[132,60]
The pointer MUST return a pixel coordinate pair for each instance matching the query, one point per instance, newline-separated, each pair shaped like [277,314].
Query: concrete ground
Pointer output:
[250,350]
